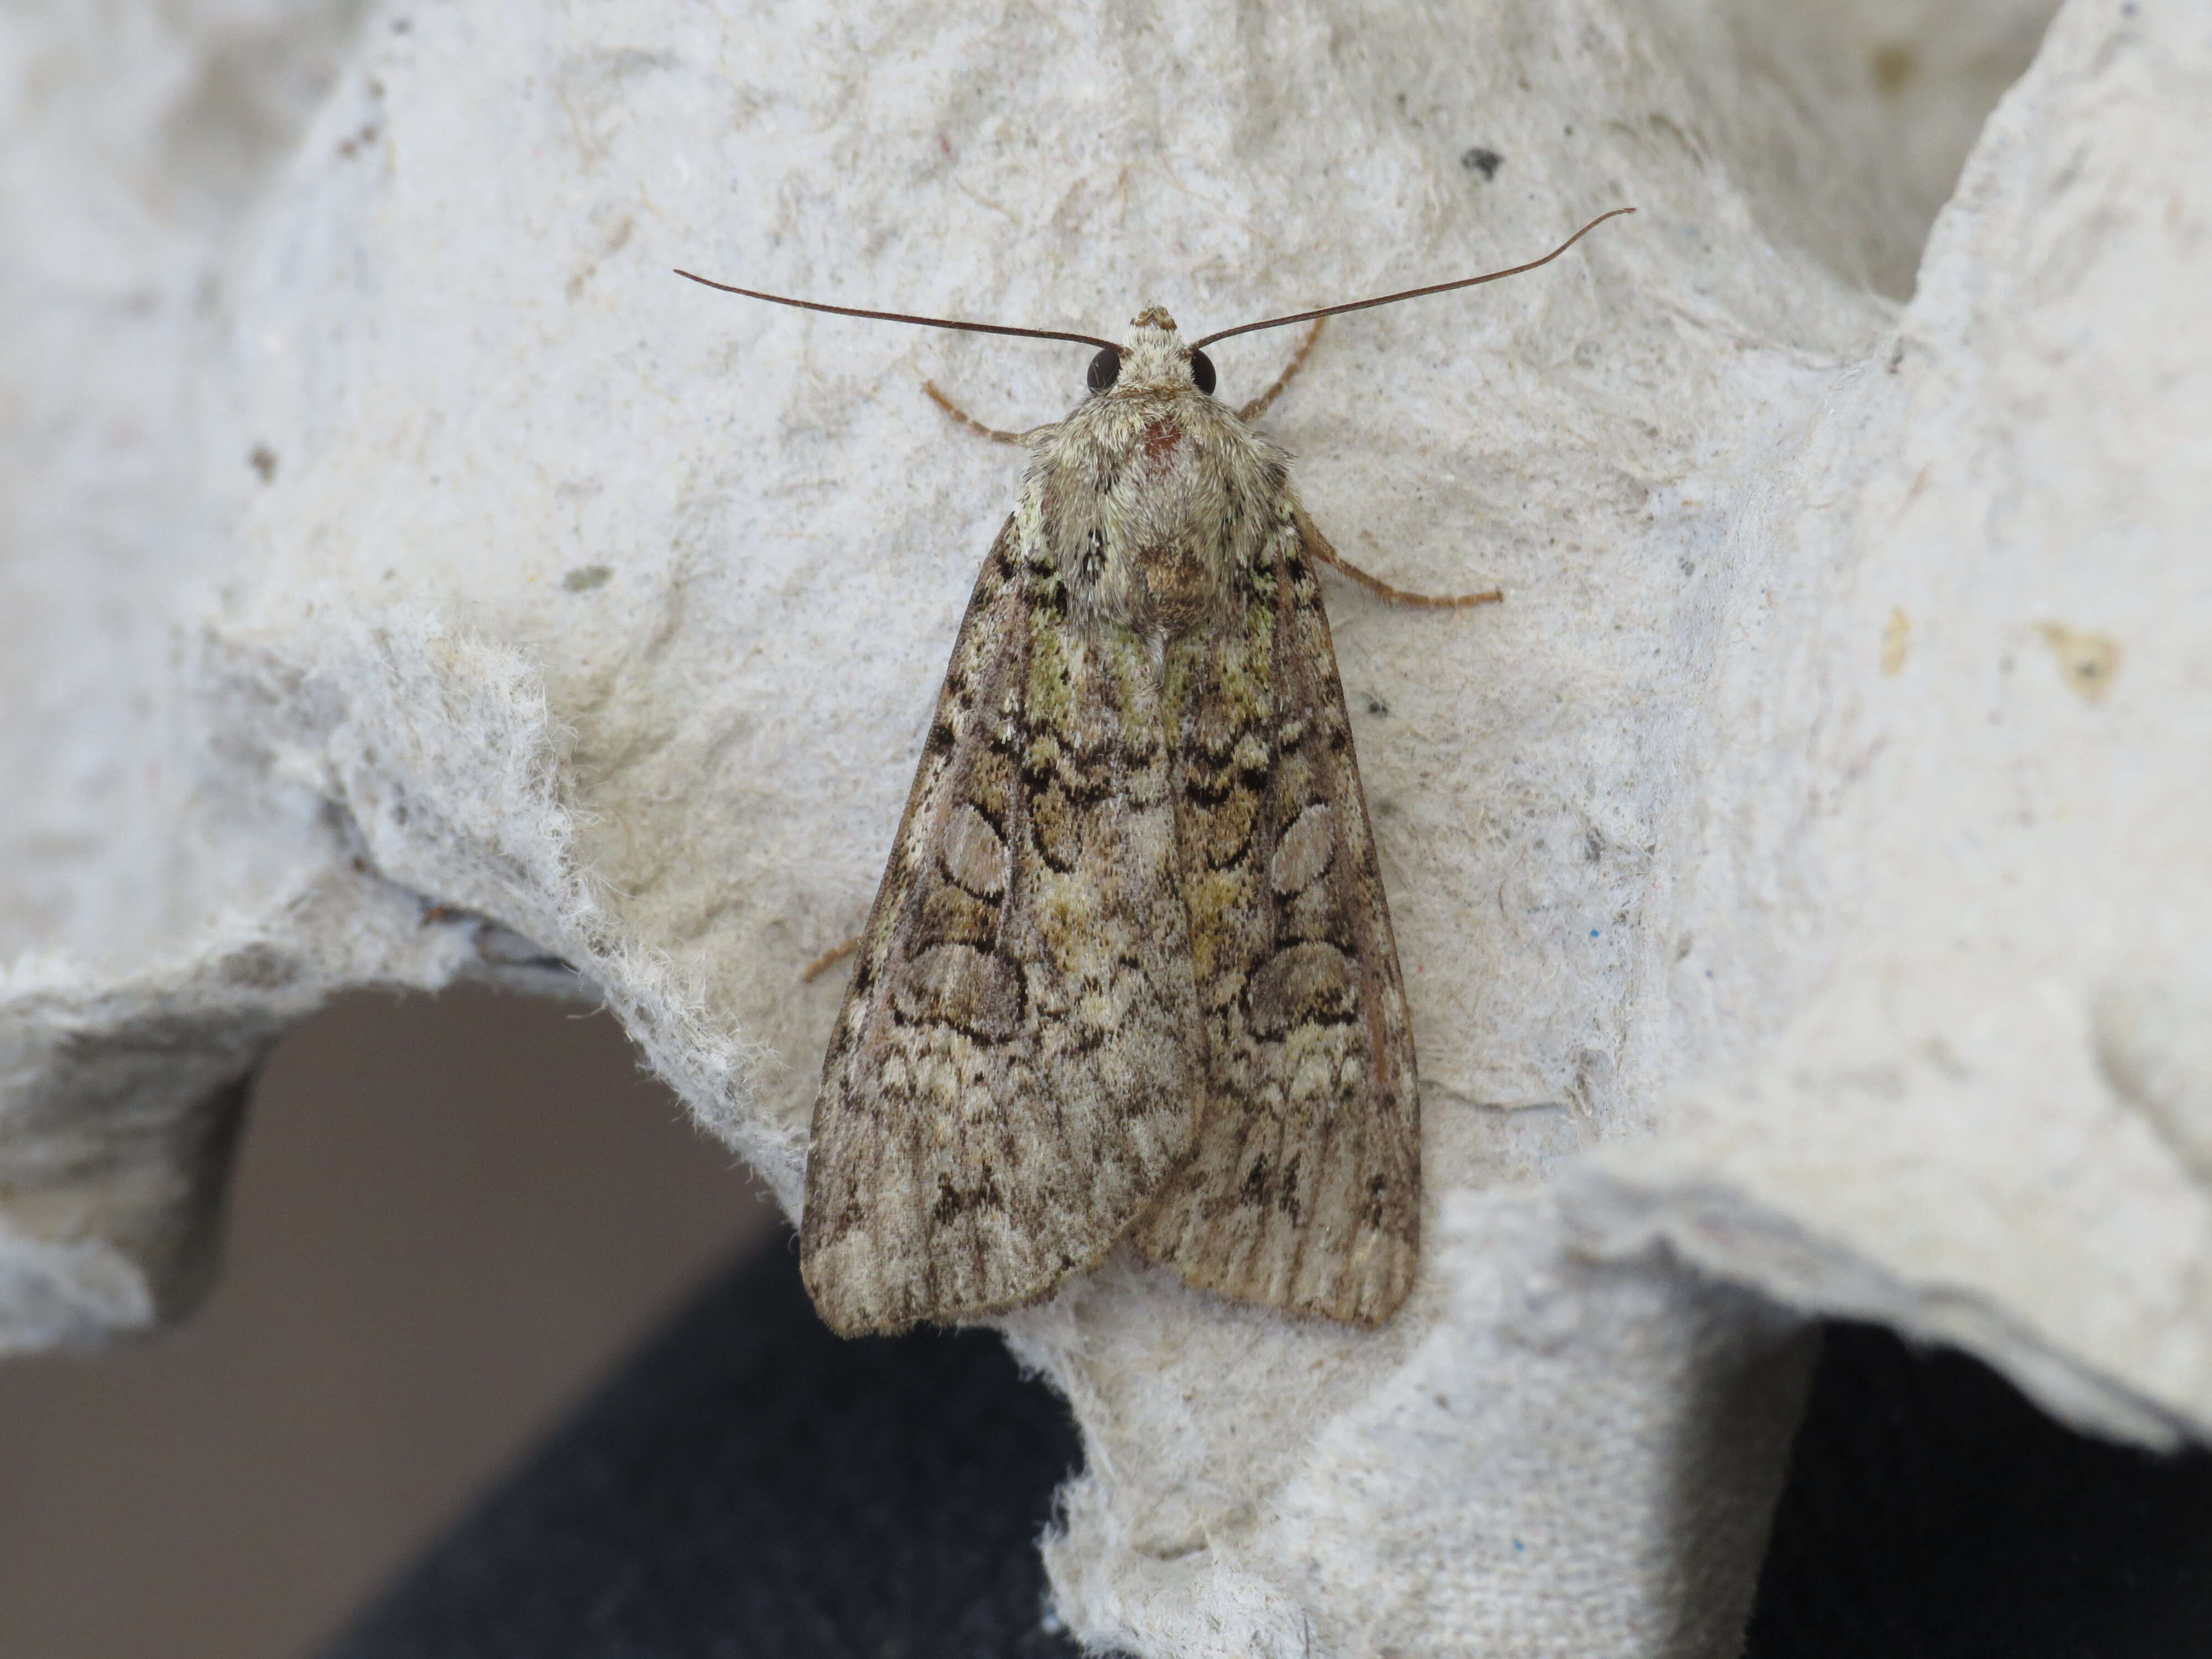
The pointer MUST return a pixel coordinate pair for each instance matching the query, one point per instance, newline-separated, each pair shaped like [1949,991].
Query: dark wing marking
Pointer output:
[1017,1062]
[1302,1188]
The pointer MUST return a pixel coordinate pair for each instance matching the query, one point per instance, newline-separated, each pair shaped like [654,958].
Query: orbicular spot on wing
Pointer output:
[1218,832]
[1057,827]
[1206,784]
[1305,851]
[1220,904]
[973,991]
[972,852]
[1309,984]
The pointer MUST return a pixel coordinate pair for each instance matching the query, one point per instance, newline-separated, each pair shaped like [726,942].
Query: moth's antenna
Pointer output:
[1411,293]
[901,317]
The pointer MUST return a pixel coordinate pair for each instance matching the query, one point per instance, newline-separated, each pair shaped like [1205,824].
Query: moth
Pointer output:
[1129,976]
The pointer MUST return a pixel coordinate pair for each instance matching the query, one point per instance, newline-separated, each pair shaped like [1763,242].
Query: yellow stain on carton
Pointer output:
[2087,660]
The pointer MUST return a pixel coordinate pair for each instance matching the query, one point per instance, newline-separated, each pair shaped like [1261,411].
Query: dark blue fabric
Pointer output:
[1933,1513]
[748,1484]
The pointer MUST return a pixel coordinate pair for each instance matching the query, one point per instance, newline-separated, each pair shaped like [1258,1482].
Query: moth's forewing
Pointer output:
[1302,1188]
[1015,1068]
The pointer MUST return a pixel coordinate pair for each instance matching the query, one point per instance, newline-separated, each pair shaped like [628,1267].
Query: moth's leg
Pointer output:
[829,959]
[1258,406]
[1317,544]
[966,419]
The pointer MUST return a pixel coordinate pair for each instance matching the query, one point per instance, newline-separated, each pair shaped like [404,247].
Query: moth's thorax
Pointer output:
[1150,499]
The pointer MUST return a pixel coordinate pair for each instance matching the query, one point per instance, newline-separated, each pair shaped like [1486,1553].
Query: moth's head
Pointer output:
[1153,359]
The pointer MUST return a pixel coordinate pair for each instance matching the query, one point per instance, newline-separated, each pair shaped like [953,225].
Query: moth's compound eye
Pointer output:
[1105,368]
[1202,371]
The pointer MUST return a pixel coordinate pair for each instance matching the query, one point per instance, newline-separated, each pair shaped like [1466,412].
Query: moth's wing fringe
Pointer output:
[1016,1066]
[1302,1188]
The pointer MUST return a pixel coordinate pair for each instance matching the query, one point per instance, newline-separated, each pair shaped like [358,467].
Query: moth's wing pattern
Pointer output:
[1302,1188]
[1017,1063]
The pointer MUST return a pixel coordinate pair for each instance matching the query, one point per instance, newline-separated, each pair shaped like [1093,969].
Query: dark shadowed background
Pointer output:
[451,1215]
